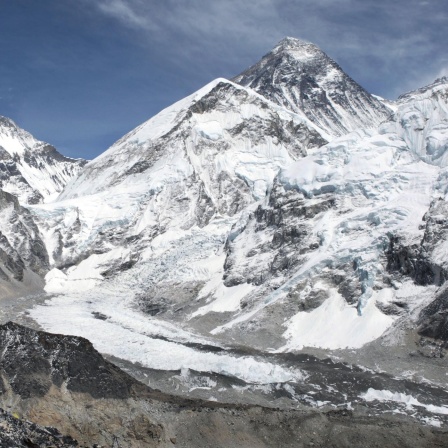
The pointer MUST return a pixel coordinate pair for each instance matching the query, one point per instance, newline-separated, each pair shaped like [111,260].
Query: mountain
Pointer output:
[32,170]
[215,122]
[339,228]
[227,218]
[302,78]
[214,247]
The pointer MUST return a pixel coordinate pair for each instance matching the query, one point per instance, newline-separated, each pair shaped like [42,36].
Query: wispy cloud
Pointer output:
[376,41]
[125,11]
[442,72]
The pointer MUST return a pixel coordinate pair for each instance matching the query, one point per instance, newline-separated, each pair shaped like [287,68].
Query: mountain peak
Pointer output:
[31,169]
[438,84]
[7,122]
[291,43]
[299,76]
[300,51]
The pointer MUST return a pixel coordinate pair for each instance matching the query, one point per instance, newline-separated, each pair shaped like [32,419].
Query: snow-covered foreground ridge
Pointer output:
[227,217]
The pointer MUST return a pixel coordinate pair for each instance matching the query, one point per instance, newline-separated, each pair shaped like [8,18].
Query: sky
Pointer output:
[80,74]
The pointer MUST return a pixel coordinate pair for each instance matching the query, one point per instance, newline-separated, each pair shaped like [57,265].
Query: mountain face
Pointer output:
[30,169]
[217,193]
[208,129]
[202,161]
[31,172]
[330,220]
[300,77]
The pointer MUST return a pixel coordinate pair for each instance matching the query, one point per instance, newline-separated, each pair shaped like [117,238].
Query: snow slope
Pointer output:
[144,225]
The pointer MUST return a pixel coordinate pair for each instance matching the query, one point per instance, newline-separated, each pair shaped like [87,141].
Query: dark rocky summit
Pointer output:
[300,77]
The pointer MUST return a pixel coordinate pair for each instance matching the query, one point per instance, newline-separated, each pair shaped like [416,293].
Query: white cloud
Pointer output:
[123,11]
[371,39]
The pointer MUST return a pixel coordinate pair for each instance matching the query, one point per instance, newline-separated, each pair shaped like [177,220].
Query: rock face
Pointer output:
[63,381]
[33,362]
[280,232]
[32,170]
[23,255]
[425,262]
[300,77]
[434,319]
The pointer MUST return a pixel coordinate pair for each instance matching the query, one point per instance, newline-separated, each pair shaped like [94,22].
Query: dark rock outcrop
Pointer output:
[280,232]
[18,433]
[32,361]
[433,319]
[63,382]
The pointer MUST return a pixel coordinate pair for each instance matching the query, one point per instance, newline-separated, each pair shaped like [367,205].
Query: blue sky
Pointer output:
[80,74]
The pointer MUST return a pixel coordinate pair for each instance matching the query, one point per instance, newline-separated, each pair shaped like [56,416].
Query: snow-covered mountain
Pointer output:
[203,160]
[230,216]
[229,219]
[32,170]
[341,223]
[302,78]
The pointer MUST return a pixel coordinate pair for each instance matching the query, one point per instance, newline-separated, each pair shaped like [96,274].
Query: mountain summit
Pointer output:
[30,169]
[302,78]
